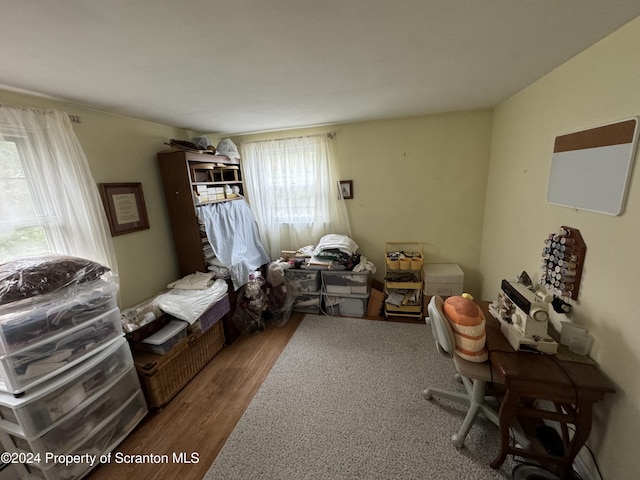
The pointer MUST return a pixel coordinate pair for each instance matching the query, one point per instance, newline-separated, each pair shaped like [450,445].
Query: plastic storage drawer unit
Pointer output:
[164,339]
[41,407]
[103,439]
[32,320]
[46,359]
[72,429]
[345,282]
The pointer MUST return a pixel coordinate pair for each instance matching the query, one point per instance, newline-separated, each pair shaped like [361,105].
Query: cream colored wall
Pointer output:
[123,149]
[418,179]
[599,86]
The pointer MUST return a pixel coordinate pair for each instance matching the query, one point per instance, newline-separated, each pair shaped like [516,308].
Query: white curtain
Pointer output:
[293,191]
[47,184]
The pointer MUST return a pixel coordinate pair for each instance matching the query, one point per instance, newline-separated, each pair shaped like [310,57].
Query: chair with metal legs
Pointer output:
[475,377]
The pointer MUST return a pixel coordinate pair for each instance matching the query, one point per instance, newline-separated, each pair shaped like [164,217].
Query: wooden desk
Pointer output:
[571,387]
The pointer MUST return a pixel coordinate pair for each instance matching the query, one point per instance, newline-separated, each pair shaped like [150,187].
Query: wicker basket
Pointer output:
[163,376]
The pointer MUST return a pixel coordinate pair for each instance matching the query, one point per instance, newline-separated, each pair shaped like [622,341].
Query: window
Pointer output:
[49,202]
[294,188]
[21,232]
[293,191]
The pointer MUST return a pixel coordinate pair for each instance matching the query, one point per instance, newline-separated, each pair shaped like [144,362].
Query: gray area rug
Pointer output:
[344,401]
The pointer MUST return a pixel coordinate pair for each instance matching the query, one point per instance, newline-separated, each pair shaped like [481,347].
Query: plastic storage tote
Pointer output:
[165,339]
[345,282]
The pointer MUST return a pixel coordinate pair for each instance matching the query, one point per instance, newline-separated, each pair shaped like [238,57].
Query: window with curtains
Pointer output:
[49,202]
[293,191]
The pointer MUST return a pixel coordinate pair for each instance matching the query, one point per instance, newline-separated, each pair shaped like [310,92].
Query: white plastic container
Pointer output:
[569,330]
[580,343]
[164,339]
[44,360]
[444,279]
[40,408]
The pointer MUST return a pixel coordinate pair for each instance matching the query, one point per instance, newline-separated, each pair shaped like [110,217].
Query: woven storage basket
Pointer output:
[163,376]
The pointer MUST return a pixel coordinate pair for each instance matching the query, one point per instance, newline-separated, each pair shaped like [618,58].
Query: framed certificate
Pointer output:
[124,206]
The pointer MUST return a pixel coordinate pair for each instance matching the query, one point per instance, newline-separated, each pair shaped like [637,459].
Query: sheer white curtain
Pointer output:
[49,202]
[293,191]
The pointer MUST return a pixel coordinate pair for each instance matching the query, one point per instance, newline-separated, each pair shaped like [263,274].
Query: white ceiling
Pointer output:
[237,66]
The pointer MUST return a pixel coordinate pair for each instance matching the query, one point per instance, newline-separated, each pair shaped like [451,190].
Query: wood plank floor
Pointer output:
[203,414]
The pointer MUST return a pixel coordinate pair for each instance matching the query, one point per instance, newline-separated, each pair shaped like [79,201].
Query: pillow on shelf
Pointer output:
[468,324]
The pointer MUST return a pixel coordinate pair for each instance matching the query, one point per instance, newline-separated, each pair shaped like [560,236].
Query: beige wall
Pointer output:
[418,179]
[122,149]
[599,86]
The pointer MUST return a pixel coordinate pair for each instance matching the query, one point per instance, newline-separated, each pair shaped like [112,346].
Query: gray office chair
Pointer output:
[474,376]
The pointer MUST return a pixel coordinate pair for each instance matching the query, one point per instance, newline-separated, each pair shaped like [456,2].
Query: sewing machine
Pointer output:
[524,317]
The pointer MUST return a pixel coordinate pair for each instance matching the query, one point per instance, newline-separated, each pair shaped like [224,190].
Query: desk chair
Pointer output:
[474,376]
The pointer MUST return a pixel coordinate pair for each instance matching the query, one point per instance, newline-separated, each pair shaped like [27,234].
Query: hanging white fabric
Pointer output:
[54,186]
[293,191]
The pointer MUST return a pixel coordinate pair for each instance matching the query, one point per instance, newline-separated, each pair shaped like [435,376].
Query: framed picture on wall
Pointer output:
[346,188]
[125,207]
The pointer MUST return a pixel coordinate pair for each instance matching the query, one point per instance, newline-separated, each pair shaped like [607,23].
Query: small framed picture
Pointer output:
[346,189]
[125,208]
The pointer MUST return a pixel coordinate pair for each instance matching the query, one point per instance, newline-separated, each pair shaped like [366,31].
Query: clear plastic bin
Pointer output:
[165,339]
[41,361]
[307,303]
[35,412]
[345,282]
[27,322]
[73,428]
[302,281]
[345,305]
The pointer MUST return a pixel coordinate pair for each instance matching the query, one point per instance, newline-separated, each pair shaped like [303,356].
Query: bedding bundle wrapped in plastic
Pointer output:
[32,277]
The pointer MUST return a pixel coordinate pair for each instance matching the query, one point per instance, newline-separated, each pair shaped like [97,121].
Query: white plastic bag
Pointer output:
[227,148]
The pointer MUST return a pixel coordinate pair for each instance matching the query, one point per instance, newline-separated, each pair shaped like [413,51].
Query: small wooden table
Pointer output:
[572,387]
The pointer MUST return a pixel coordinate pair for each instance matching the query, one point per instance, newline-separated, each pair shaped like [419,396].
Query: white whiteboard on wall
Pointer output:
[591,169]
